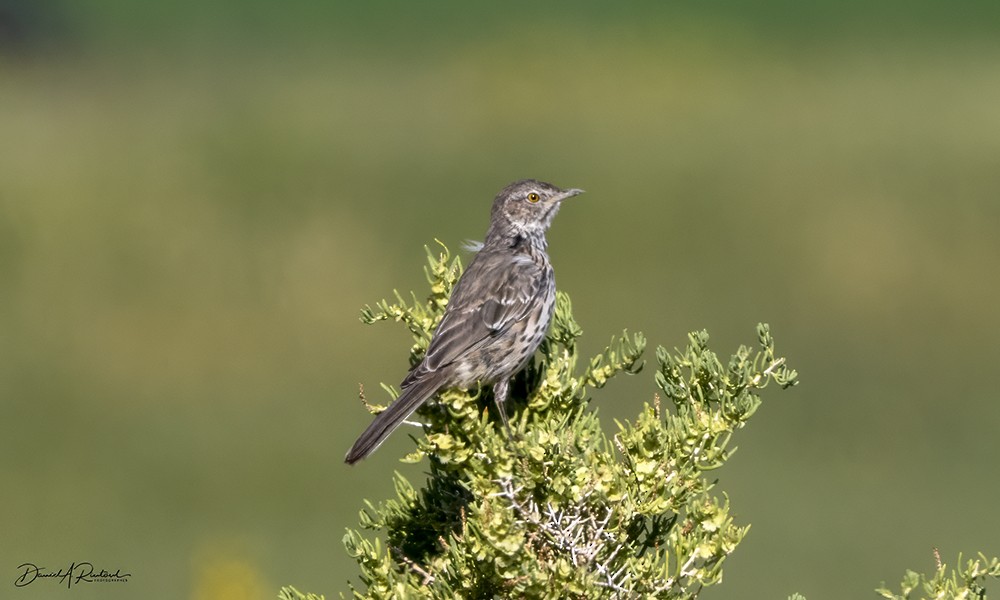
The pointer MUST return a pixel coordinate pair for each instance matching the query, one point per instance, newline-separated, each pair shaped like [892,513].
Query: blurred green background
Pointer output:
[196,199]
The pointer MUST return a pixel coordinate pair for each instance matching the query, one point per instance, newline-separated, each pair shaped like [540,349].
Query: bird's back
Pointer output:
[496,317]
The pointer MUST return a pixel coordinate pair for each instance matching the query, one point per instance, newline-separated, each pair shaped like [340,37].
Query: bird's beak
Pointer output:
[568,194]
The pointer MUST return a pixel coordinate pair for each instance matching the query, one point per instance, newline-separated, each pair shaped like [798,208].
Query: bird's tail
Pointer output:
[389,419]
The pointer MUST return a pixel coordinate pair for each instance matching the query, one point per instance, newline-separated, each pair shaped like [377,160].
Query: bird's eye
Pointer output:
[533,197]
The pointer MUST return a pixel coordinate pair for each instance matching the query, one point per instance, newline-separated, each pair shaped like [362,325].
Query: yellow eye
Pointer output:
[533,197]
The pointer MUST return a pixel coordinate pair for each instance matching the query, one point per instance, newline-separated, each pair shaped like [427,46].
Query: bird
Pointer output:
[497,315]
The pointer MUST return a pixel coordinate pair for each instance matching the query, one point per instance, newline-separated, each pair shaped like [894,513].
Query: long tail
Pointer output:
[388,420]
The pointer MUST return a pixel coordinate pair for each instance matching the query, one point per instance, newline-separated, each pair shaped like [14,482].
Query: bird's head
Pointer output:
[526,208]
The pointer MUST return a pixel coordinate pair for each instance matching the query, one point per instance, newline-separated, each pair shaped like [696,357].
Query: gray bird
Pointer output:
[497,315]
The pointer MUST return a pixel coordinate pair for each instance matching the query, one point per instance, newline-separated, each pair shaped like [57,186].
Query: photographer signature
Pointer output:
[78,572]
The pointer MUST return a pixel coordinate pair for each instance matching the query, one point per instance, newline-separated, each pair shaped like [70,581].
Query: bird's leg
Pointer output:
[500,397]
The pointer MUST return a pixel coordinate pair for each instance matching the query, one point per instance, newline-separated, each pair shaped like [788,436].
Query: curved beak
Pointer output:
[569,194]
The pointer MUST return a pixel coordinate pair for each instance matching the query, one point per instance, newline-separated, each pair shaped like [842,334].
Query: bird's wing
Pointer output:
[494,293]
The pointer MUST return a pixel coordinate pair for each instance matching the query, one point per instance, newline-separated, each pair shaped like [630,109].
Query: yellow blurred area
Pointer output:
[229,578]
